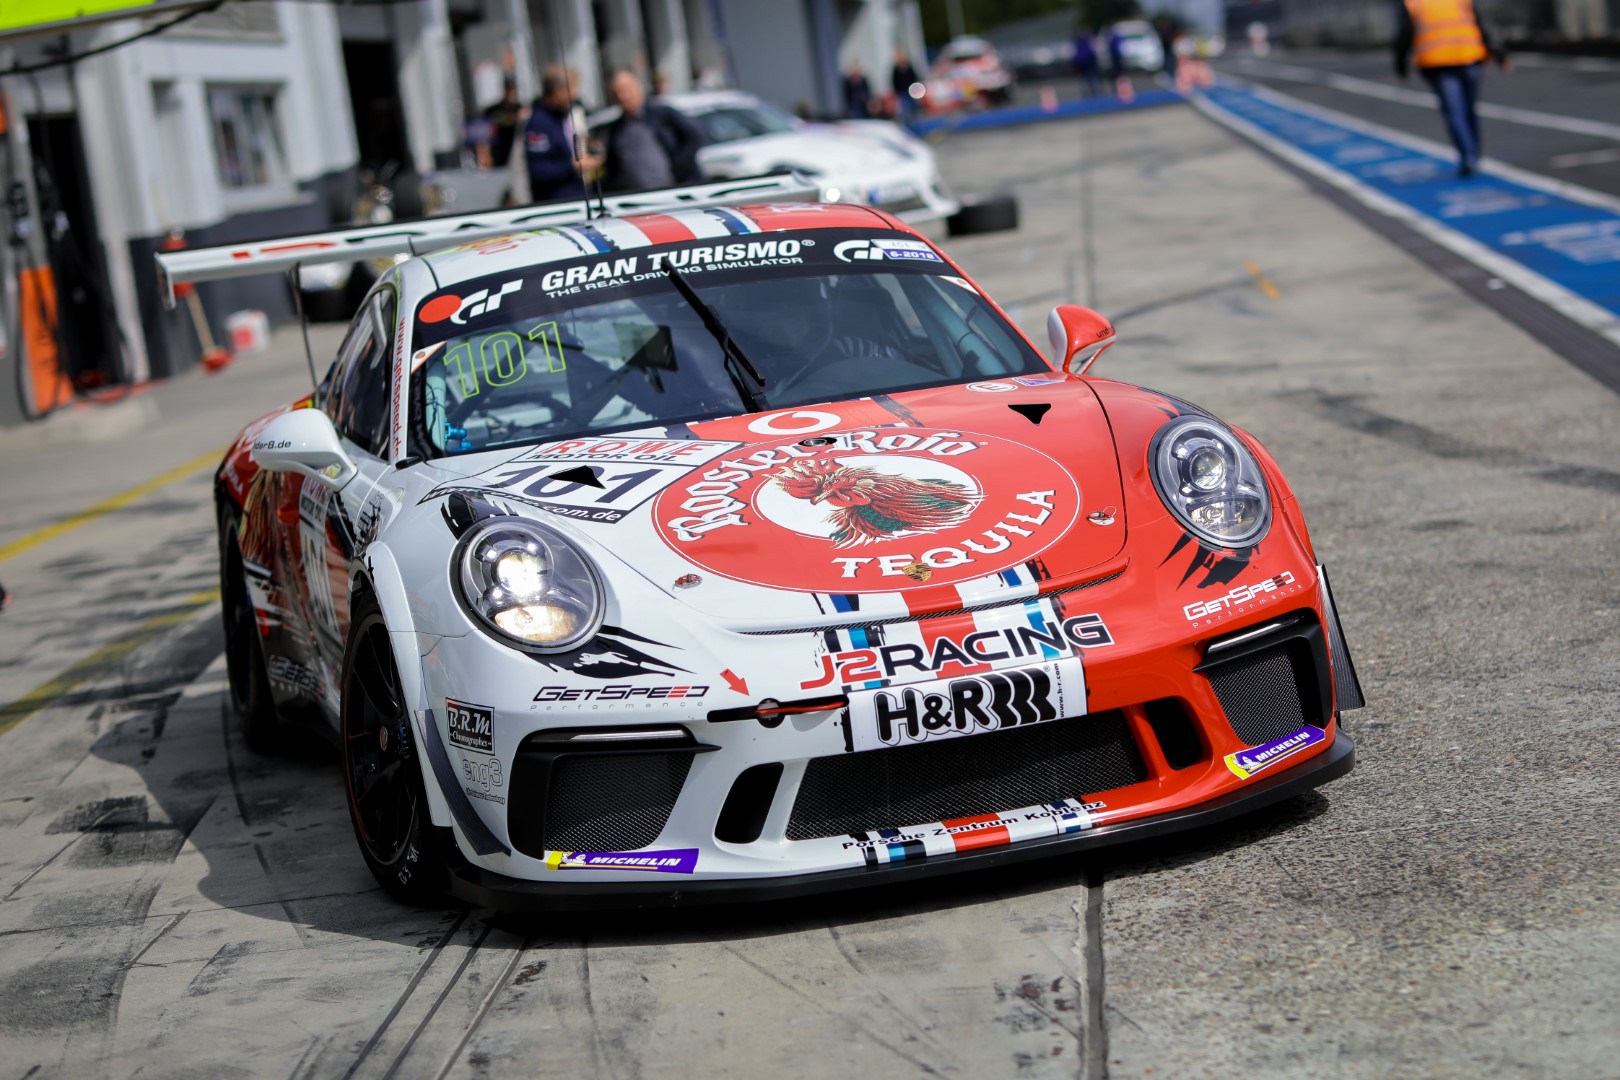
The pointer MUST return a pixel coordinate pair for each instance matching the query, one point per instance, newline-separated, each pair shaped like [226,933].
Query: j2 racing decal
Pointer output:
[969,705]
[869,510]
[917,842]
[1245,763]
[852,666]
[672,861]
[472,727]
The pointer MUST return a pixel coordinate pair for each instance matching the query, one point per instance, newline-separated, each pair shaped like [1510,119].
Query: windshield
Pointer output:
[732,122]
[608,343]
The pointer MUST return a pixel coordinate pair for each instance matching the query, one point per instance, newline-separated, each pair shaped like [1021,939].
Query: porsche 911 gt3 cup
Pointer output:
[707,551]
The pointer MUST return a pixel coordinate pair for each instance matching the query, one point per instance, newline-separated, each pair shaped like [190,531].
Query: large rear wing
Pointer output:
[428,234]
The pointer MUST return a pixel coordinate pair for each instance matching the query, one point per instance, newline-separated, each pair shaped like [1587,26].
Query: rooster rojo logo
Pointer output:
[868,514]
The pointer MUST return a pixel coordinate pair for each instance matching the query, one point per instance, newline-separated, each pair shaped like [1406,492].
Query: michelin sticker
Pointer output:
[1245,763]
[673,861]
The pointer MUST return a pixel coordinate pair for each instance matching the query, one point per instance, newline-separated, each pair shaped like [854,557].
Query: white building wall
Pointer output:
[429,90]
[148,140]
[573,23]
[669,52]
[772,50]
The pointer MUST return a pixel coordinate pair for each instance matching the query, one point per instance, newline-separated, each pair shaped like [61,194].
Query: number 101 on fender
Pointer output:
[966,705]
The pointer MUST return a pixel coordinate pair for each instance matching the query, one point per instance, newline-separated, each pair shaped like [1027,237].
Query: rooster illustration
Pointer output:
[872,505]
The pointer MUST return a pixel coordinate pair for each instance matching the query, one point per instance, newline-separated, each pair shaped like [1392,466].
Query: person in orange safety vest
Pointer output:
[1450,46]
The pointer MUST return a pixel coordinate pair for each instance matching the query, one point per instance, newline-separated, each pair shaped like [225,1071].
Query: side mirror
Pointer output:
[304,441]
[1078,336]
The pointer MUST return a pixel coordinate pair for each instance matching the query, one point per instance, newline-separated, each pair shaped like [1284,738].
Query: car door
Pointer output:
[332,524]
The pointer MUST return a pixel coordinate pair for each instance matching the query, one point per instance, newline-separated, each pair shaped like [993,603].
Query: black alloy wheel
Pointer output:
[251,701]
[387,800]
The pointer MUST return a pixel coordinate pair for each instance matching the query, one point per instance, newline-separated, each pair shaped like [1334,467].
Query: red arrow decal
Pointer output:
[735,681]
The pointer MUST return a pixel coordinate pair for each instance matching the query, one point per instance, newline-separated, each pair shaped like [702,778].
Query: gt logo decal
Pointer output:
[458,309]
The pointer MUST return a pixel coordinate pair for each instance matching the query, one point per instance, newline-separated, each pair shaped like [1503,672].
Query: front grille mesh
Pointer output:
[1260,694]
[615,802]
[977,774]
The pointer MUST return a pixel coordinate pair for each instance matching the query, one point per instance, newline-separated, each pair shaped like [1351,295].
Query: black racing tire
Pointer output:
[382,773]
[252,703]
[993,213]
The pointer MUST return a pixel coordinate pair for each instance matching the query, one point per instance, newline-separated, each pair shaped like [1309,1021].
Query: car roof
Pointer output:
[517,251]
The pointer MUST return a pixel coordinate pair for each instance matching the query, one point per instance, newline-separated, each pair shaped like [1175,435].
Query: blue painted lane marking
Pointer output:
[1027,114]
[1572,243]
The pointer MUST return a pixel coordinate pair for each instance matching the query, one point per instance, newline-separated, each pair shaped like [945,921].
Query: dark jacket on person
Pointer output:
[550,156]
[675,134]
[901,78]
[857,96]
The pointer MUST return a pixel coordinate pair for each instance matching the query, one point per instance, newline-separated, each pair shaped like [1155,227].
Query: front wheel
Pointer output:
[387,799]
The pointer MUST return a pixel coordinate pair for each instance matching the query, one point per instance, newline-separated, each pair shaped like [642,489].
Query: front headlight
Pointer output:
[1211,482]
[527,585]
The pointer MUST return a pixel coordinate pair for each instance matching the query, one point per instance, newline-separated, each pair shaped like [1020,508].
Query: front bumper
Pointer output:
[1231,717]
[484,888]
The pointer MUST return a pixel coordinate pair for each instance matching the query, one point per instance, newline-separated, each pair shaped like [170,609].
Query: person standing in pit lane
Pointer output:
[649,146]
[902,77]
[551,141]
[1450,45]
[1085,61]
[857,93]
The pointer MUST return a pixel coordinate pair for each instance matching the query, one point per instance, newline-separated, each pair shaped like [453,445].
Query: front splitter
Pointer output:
[483,888]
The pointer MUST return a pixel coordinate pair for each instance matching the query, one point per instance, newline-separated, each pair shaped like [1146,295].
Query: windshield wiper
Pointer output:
[750,383]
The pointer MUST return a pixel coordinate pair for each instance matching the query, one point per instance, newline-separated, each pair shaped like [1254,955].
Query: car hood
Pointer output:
[830,148]
[931,500]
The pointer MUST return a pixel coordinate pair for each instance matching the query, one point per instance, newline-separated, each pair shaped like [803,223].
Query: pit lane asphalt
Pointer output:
[172,905]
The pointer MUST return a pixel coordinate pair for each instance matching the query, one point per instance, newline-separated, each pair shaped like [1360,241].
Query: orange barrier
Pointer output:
[37,292]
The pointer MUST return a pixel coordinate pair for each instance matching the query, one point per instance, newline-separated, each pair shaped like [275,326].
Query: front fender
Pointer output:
[377,572]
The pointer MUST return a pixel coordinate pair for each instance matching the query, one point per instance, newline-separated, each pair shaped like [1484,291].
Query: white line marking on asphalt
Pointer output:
[1350,84]
[1585,157]
[1576,308]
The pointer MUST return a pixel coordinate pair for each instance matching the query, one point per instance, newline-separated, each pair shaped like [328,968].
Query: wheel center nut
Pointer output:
[382,739]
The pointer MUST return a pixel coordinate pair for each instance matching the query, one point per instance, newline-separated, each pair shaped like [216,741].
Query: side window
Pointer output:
[329,397]
[361,410]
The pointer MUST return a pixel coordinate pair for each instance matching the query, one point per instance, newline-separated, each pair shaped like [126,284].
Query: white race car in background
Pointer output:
[862,161]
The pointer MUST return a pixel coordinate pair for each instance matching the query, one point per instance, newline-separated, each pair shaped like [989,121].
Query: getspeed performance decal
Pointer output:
[869,510]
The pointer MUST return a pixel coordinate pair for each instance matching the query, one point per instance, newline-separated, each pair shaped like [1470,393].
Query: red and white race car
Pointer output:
[733,551]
